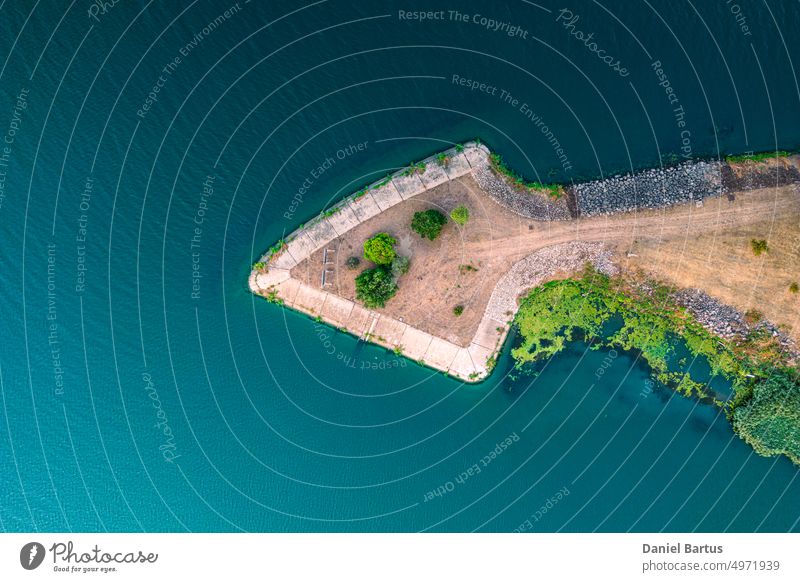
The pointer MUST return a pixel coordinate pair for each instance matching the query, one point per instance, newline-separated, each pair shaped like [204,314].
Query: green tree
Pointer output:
[380,249]
[374,287]
[428,223]
[770,420]
[460,215]
[458,310]
[794,287]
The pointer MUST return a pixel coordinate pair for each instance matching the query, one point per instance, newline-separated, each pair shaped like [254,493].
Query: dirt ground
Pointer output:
[704,246]
[721,261]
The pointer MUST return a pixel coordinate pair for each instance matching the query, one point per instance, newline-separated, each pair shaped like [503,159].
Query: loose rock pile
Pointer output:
[754,175]
[527,203]
[728,322]
[720,319]
[656,188]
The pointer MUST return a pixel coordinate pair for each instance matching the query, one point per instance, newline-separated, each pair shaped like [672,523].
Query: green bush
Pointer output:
[458,310]
[374,287]
[794,287]
[770,420]
[380,249]
[460,215]
[400,266]
[352,262]
[428,223]
[759,246]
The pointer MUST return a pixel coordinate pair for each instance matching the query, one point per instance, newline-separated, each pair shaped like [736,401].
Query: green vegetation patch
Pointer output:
[428,223]
[759,246]
[374,287]
[380,249]
[460,215]
[765,407]
[759,157]
[770,420]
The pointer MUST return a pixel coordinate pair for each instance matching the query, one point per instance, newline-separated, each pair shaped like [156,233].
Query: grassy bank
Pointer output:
[758,157]
[765,405]
[554,191]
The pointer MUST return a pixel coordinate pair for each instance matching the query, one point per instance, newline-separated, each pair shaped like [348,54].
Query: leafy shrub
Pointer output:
[352,262]
[400,266]
[794,287]
[460,215]
[759,246]
[380,249]
[770,420]
[458,310]
[415,168]
[459,147]
[374,287]
[443,159]
[428,223]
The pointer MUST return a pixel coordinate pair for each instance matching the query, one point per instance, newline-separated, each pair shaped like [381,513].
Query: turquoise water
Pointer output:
[139,396]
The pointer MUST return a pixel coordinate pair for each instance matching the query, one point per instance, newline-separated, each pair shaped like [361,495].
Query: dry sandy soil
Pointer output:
[704,246]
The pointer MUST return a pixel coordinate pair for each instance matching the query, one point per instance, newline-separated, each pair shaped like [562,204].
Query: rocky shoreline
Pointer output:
[525,203]
[657,188]
[688,182]
[648,189]
[728,322]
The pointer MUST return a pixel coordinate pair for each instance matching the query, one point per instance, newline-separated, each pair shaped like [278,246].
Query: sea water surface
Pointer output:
[153,150]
